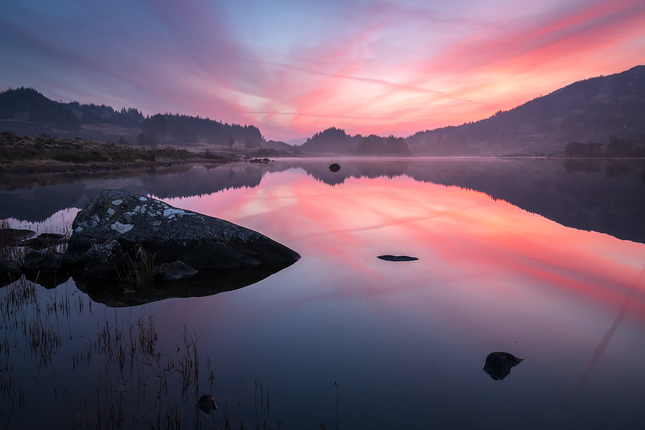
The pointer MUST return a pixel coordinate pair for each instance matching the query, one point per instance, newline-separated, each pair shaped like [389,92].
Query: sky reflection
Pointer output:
[459,236]
[406,341]
[490,277]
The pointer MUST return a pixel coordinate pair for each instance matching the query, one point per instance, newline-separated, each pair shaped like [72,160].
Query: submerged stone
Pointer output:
[335,167]
[498,364]
[207,404]
[397,258]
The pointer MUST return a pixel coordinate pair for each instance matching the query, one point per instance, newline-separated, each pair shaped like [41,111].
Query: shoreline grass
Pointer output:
[28,155]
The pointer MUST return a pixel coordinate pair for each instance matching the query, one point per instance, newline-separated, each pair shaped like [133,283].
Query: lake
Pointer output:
[538,258]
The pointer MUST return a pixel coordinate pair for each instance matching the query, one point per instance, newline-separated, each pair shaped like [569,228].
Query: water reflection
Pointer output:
[404,340]
[203,284]
[456,233]
[600,195]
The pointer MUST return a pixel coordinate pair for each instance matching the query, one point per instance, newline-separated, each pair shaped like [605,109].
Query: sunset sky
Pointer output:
[293,68]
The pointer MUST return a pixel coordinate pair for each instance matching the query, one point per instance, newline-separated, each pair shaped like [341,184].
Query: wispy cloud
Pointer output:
[296,68]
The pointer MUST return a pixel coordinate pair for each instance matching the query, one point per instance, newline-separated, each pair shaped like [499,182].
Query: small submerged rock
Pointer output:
[335,167]
[397,258]
[207,404]
[498,364]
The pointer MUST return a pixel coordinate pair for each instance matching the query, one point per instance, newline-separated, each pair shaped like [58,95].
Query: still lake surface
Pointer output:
[538,258]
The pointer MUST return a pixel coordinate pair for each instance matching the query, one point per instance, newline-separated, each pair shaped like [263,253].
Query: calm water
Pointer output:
[341,337]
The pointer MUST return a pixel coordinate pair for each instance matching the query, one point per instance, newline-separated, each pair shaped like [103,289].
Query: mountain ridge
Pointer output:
[588,111]
[585,111]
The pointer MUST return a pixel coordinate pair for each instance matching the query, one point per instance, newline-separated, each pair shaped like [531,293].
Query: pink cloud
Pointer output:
[480,72]
[368,68]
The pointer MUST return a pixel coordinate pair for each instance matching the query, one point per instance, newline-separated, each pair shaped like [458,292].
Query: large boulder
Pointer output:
[169,234]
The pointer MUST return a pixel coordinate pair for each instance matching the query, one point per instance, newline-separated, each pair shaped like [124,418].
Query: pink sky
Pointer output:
[296,68]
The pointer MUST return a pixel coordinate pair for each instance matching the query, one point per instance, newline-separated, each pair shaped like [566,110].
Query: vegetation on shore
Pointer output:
[59,154]
[616,147]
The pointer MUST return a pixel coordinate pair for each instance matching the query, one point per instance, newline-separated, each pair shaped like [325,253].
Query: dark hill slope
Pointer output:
[25,111]
[586,111]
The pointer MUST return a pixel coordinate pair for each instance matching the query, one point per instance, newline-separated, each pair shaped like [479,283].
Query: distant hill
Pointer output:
[25,111]
[26,107]
[587,111]
[595,110]
[332,140]
[336,141]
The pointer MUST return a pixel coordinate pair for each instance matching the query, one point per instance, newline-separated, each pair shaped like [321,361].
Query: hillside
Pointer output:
[594,111]
[25,111]
[586,111]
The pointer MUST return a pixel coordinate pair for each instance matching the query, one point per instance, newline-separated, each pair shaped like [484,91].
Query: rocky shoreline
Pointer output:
[129,245]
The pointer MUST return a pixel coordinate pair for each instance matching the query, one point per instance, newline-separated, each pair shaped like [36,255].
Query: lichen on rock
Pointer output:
[171,234]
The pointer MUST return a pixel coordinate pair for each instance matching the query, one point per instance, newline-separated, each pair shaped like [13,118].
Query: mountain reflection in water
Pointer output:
[606,196]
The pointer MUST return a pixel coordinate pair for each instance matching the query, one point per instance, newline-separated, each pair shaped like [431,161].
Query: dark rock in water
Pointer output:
[10,271]
[170,234]
[47,261]
[173,272]
[207,404]
[102,260]
[498,364]
[44,240]
[11,236]
[334,167]
[397,258]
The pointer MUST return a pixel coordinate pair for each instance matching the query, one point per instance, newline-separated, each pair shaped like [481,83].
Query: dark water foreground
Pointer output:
[343,338]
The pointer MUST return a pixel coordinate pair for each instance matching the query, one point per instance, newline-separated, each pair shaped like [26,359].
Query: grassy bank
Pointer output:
[24,154]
